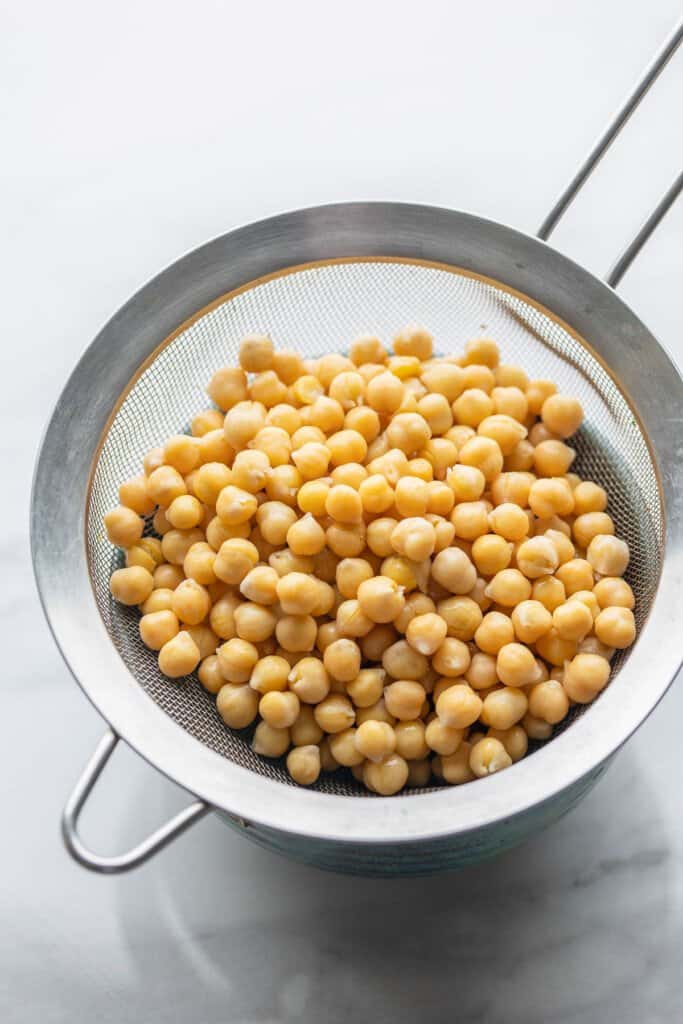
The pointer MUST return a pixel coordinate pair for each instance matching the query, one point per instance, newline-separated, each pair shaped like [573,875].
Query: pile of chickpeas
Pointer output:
[384,560]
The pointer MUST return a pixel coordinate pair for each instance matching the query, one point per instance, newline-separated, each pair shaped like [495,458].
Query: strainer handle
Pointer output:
[620,119]
[140,853]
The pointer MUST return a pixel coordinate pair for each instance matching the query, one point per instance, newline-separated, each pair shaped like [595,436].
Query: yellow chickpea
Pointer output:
[508,587]
[256,353]
[589,497]
[611,591]
[342,659]
[562,414]
[549,591]
[504,708]
[531,620]
[452,659]
[441,738]
[351,620]
[445,379]
[305,731]
[367,687]
[495,631]
[309,680]
[467,483]
[386,777]
[334,713]
[350,573]
[410,740]
[426,633]
[491,553]
[408,432]
[515,666]
[555,649]
[404,699]
[367,348]
[303,764]
[608,555]
[472,407]
[510,400]
[484,454]
[347,446]
[285,416]
[414,340]
[573,620]
[553,458]
[279,709]
[461,615]
[548,701]
[347,540]
[191,602]
[385,393]
[167,576]
[551,496]
[414,538]
[158,601]
[236,659]
[132,585]
[481,674]
[268,389]
[157,628]
[182,453]
[375,643]
[400,661]
[514,740]
[590,525]
[235,558]
[488,756]
[253,622]
[504,430]
[179,656]
[124,526]
[454,571]
[470,519]
[270,674]
[615,627]
[537,557]
[576,574]
[213,447]
[585,676]
[458,707]
[380,598]
[210,675]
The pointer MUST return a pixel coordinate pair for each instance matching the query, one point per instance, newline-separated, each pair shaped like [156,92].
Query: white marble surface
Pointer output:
[131,133]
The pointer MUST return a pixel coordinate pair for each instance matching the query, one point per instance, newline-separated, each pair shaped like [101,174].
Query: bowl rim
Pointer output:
[238,259]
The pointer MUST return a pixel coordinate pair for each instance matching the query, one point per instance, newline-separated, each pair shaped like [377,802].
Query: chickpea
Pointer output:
[284,416]
[297,593]
[458,707]
[296,632]
[133,494]
[268,389]
[347,540]
[616,627]
[589,497]
[347,446]
[563,546]
[555,649]
[303,764]
[176,543]
[179,656]
[157,628]
[367,348]
[515,666]
[562,414]
[158,601]
[385,393]
[508,587]
[572,620]
[495,631]
[553,458]
[504,430]
[352,621]
[590,525]
[243,422]
[375,643]
[234,506]
[611,591]
[342,659]
[400,661]
[588,598]
[414,341]
[236,659]
[521,459]
[462,616]
[551,496]
[441,738]
[549,591]
[312,496]
[167,576]
[537,557]
[184,512]
[608,555]
[514,740]
[147,553]
[414,538]
[270,674]
[260,585]
[152,460]
[481,674]
[344,504]
[256,353]
[305,730]
[531,620]
[132,585]
[488,756]
[124,526]
[408,432]
[585,676]
[576,574]
[210,675]
[309,680]
[510,400]
[334,713]
[386,777]
[536,728]
[444,379]
[444,532]
[410,740]
[454,571]
[484,454]
[350,573]
[380,598]
[227,387]
[503,708]
[426,633]
[269,741]
[470,519]
[213,447]
[548,701]
[404,699]
[279,709]
[235,558]
[452,658]
[491,553]
[191,602]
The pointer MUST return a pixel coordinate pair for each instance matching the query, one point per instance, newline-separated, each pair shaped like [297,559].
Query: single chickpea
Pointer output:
[285,416]
[152,460]
[243,422]
[482,352]
[537,557]
[335,713]
[495,631]
[350,573]
[411,496]
[504,708]
[182,453]
[375,740]
[256,353]
[268,389]
[531,620]
[445,379]
[367,348]
[454,571]
[440,498]
[400,661]
[274,520]
[158,601]
[510,400]
[504,430]
[351,620]
[306,536]
[286,561]
[481,674]
[213,447]
[441,738]
[348,388]
[462,616]
[576,574]
[470,519]
[133,494]
[160,523]
[452,659]
[521,459]
[408,432]
[611,591]
[297,593]
[562,414]
[309,680]
[344,504]
[364,421]
[165,484]
[467,483]
[414,538]
[472,407]
[132,585]
[347,446]
[385,393]
[312,496]
[179,656]
[536,393]
[551,496]
[268,741]
[351,474]
[588,598]
[234,505]
[616,627]
[342,659]
[236,659]
[157,628]
[386,777]
[305,729]
[124,527]
[235,558]
[380,598]
[510,376]
[279,709]
[344,749]
[217,533]
[288,365]
[562,544]
[184,512]
[491,553]
[484,454]
[437,457]
[608,555]
[209,481]
[367,687]
[512,488]
[347,540]
[375,643]
[414,340]
[325,565]
[488,756]
[444,531]
[307,435]
[303,764]
[454,768]
[426,633]
[379,533]
[410,740]
[459,706]
[436,410]
[548,701]
[572,620]
[270,674]
[227,387]
[253,622]
[275,443]
[514,740]
[555,649]
[191,602]
[296,632]
[553,458]
[515,666]
[508,587]
[404,699]
[176,543]
[210,675]
[168,576]
[590,525]
[549,591]
[536,728]
[589,497]
[260,585]
[585,676]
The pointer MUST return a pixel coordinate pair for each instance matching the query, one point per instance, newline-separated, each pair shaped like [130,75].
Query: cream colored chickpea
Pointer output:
[270,674]
[160,522]
[512,488]
[268,389]
[573,620]
[426,633]
[608,555]
[414,538]
[342,659]
[436,410]
[548,701]
[404,699]
[305,729]
[296,633]
[147,552]
[210,675]
[482,352]
[347,446]
[287,365]
[306,390]
[260,585]
[376,494]
[470,519]
[209,481]
[436,458]
[350,474]
[555,649]
[495,631]
[386,777]
[184,512]
[217,533]
[507,375]
[379,534]
[124,526]
[213,447]
[286,561]
[179,656]
[235,558]
[537,557]
[441,738]
[414,340]
[157,628]
[515,666]
[352,621]
[309,680]
[611,591]
[562,414]
[348,388]
[307,435]
[364,421]
[504,430]
[454,571]
[462,616]
[274,520]
[536,728]
[472,407]
[576,574]
[306,536]
[553,458]
[132,585]
[254,622]
[411,496]
[445,379]
[400,661]
[234,506]
[152,460]
[481,674]
[563,546]
[551,496]
[334,713]
[508,587]
[269,741]
[167,576]
[279,709]
[408,432]
[285,416]
[488,756]
[375,740]
[243,422]
[536,393]
[158,601]
[514,740]
[182,453]
[367,687]
[344,749]
[521,459]
[467,483]
[391,465]
[585,676]
[549,591]
[238,706]
[491,553]
[410,740]
[350,573]
[344,504]
[303,764]
[531,620]
[510,401]
[444,531]
[326,634]
[504,708]
[256,353]
[347,540]
[589,497]
[237,658]
[385,393]
[367,348]
[459,706]
[454,768]
[588,598]
[297,593]
[440,498]
[191,602]
[312,496]
[452,658]
[615,627]
[509,521]
[590,525]
[380,598]
[176,543]
[133,494]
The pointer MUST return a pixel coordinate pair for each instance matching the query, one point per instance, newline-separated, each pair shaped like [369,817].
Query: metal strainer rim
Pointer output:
[347,230]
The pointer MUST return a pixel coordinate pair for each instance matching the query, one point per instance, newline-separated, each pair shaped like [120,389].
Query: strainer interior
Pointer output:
[318,309]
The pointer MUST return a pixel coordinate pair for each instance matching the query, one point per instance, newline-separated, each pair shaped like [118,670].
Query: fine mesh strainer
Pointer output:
[313,279]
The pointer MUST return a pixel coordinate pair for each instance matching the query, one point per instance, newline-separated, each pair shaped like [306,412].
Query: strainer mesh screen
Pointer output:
[320,310]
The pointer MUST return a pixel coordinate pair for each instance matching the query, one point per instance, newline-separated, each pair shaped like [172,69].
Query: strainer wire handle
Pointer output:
[620,119]
[140,853]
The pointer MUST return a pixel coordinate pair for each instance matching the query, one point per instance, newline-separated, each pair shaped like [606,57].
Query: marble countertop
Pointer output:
[133,133]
